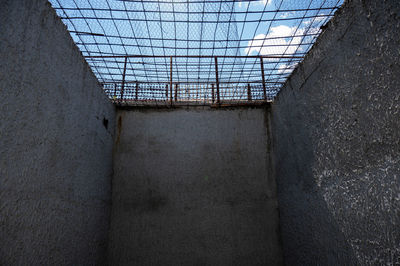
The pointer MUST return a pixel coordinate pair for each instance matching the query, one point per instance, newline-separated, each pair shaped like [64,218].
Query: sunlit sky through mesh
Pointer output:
[194,28]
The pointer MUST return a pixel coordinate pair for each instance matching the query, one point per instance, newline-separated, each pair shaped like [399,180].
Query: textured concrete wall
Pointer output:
[193,187]
[336,128]
[55,144]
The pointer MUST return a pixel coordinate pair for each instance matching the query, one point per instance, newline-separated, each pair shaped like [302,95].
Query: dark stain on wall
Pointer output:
[191,187]
[105,123]
[119,129]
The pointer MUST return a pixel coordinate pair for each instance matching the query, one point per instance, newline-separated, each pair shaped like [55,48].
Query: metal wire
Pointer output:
[150,52]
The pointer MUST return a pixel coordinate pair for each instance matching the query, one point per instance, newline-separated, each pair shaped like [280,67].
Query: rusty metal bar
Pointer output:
[248,92]
[202,82]
[115,90]
[212,93]
[187,12]
[176,92]
[194,56]
[263,78]
[123,79]
[217,78]
[170,78]
[137,91]
[190,21]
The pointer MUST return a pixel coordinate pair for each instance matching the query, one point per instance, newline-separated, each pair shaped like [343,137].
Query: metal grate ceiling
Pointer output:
[194,52]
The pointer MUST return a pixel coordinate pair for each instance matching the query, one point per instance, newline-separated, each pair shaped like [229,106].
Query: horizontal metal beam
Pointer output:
[193,56]
[183,64]
[194,40]
[193,12]
[202,48]
[194,21]
[195,82]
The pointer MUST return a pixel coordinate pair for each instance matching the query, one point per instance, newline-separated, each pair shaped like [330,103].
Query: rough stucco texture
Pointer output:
[55,149]
[192,187]
[336,128]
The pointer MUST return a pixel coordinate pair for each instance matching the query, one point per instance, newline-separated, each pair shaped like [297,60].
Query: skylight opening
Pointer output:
[194,52]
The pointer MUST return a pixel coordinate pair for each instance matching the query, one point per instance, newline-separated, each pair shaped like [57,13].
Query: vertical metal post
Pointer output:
[176,92]
[263,78]
[212,93]
[248,92]
[123,79]
[137,91]
[115,91]
[217,78]
[170,78]
[166,91]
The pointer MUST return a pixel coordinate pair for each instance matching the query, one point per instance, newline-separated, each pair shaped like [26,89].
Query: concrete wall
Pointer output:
[336,128]
[55,144]
[193,187]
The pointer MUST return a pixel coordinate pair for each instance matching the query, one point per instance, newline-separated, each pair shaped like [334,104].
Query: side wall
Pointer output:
[193,187]
[55,144]
[336,128]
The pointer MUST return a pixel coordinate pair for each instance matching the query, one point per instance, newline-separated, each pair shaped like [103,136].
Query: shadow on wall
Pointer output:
[309,231]
[336,128]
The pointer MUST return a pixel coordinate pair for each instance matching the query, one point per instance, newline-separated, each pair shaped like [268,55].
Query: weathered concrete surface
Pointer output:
[193,187]
[336,127]
[55,144]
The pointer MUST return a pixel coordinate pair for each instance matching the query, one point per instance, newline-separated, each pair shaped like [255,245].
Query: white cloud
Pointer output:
[286,14]
[264,45]
[266,2]
[314,21]
[240,4]
[263,2]
[279,41]
[272,43]
[286,68]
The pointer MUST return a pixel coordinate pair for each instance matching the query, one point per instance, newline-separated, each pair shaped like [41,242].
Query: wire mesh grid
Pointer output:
[194,52]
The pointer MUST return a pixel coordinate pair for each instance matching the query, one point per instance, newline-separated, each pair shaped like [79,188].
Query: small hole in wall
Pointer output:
[105,123]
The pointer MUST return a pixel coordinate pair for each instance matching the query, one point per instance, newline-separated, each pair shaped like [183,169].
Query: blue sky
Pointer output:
[132,31]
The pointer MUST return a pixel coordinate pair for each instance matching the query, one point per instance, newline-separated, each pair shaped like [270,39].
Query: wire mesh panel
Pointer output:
[149,49]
